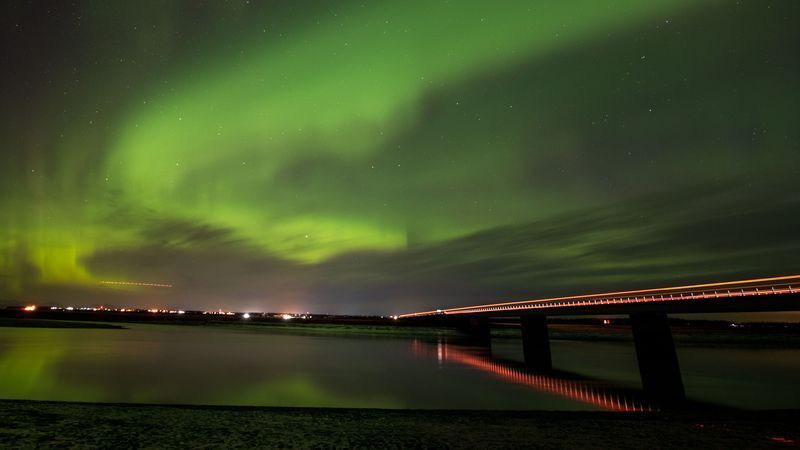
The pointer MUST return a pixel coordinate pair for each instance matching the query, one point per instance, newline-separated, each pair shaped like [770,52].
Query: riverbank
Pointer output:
[29,424]
[701,334]
[44,323]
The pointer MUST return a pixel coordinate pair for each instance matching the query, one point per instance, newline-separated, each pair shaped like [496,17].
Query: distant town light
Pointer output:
[246,315]
[286,316]
[30,308]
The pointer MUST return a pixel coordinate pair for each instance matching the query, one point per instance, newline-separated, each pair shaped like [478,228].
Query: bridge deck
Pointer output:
[764,294]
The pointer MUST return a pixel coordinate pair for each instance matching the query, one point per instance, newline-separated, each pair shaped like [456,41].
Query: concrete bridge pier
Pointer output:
[658,361]
[536,342]
[478,331]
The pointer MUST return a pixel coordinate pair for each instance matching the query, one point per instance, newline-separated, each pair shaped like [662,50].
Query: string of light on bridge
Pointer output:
[742,288]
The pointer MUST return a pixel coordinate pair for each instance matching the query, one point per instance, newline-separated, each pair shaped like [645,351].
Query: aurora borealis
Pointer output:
[378,157]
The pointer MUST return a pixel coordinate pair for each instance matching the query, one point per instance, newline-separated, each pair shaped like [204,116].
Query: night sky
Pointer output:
[385,157]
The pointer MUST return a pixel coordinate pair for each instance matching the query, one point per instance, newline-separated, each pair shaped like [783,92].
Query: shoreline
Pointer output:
[25,423]
[684,335]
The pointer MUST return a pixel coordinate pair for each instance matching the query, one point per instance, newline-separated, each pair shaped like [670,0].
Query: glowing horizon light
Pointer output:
[246,315]
[220,312]
[30,308]
[286,316]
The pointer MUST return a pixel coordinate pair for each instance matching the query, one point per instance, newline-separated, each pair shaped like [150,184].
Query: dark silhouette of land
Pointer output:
[26,424]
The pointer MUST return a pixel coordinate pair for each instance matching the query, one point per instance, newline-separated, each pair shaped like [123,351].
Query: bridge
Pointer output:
[647,308]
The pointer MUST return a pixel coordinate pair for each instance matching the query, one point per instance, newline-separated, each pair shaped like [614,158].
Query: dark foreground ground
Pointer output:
[26,424]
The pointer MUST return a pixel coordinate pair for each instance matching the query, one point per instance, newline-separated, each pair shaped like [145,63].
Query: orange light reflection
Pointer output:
[585,391]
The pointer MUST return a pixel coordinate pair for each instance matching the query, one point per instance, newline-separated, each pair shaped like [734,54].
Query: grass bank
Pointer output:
[27,424]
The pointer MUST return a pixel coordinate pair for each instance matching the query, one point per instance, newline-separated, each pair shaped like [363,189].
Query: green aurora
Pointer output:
[380,157]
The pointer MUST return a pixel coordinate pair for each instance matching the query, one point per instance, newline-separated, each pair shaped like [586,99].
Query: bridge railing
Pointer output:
[743,288]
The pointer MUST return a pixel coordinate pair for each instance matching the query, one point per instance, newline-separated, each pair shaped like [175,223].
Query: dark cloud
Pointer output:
[668,238]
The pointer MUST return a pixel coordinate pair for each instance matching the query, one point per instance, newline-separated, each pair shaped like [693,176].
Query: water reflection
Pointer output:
[162,364]
[592,392]
[207,365]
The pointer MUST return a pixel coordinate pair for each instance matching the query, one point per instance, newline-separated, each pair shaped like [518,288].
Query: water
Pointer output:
[198,365]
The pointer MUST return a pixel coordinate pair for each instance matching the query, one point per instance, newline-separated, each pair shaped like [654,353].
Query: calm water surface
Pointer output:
[198,365]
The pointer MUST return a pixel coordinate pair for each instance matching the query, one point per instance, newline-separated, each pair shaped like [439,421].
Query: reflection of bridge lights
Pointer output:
[585,391]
